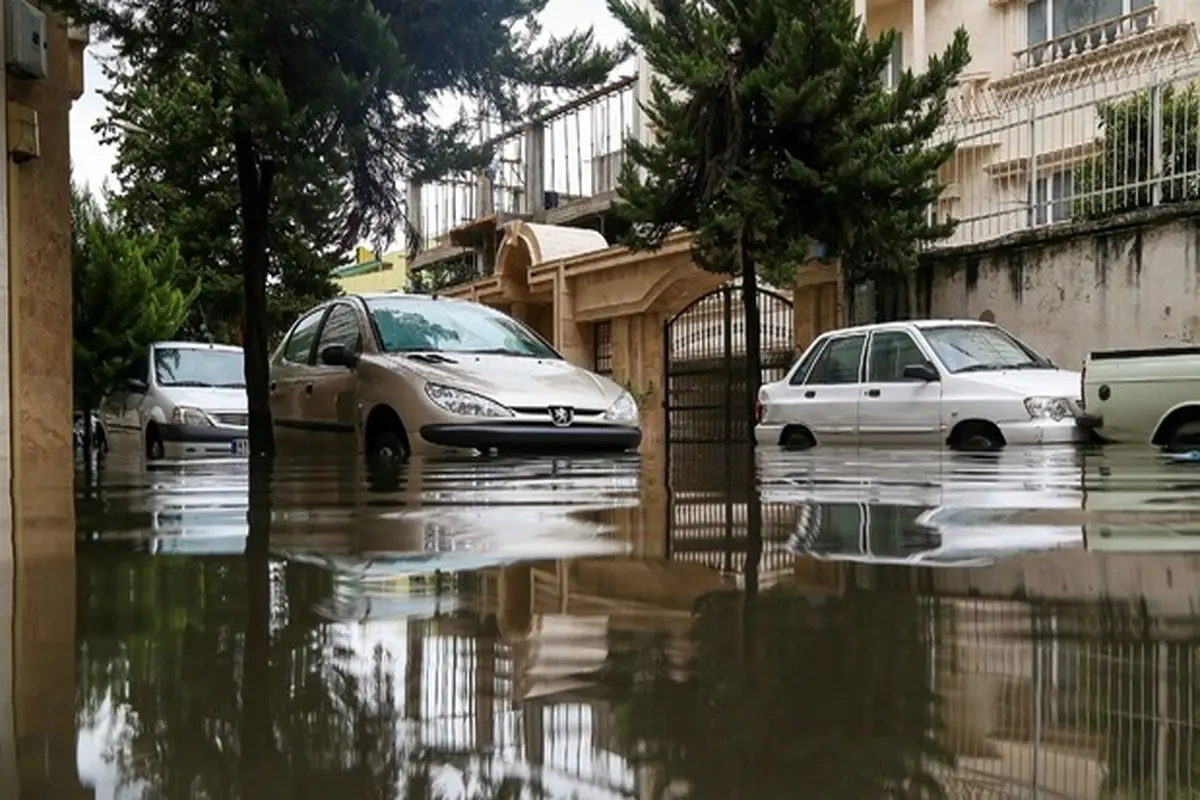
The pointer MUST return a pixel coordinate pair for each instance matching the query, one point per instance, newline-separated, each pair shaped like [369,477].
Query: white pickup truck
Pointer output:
[1149,395]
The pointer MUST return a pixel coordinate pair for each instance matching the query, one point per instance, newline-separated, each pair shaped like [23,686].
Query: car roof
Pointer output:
[229,348]
[912,323]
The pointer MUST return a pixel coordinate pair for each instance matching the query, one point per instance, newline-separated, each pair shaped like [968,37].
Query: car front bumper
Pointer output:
[532,438]
[1043,431]
[181,441]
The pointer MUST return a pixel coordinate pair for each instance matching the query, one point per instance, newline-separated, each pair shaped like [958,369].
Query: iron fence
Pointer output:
[572,152]
[1091,139]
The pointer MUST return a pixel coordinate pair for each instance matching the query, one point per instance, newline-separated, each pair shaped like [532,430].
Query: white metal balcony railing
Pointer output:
[1088,38]
[578,147]
[1106,142]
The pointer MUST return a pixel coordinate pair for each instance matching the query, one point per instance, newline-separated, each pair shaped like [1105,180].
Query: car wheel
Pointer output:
[388,446]
[155,449]
[1184,438]
[797,440]
[978,439]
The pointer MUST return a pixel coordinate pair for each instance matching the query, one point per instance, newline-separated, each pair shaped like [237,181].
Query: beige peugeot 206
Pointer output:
[400,374]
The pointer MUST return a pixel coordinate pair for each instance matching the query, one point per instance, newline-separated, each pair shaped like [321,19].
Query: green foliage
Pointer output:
[126,296]
[774,129]
[176,175]
[1119,176]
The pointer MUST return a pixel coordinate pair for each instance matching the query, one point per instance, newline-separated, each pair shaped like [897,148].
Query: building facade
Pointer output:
[371,273]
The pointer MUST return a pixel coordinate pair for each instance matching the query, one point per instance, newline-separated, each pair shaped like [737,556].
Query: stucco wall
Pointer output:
[1134,283]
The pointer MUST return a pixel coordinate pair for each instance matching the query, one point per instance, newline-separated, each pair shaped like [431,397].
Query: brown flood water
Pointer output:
[846,625]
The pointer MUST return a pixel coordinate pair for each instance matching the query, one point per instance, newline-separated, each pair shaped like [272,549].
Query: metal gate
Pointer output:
[706,399]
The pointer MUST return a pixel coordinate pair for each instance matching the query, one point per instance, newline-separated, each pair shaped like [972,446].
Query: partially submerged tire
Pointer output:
[388,446]
[797,439]
[155,449]
[1185,437]
[978,437]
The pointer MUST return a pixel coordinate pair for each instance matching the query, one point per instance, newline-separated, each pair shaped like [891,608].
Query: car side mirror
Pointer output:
[136,386]
[921,372]
[336,355]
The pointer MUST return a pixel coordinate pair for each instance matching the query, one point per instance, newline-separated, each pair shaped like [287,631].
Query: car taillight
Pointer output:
[758,410]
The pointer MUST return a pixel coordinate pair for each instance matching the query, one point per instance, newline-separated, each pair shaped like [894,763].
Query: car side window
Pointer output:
[806,363]
[341,327]
[839,363]
[300,343]
[889,354]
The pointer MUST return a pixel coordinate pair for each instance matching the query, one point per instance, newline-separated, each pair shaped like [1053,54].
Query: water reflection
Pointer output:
[570,628]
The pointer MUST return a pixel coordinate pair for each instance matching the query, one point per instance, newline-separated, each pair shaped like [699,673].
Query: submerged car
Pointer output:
[401,374]
[968,385]
[182,399]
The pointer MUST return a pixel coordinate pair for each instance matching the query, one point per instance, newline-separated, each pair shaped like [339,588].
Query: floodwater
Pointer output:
[851,625]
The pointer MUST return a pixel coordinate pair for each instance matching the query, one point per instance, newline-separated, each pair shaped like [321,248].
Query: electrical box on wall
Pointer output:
[25,50]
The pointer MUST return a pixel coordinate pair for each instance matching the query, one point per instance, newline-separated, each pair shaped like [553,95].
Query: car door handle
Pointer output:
[872,393]
[308,388]
[810,394]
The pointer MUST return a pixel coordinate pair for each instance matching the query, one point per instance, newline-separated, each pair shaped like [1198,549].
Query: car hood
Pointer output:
[1030,382]
[516,382]
[232,401]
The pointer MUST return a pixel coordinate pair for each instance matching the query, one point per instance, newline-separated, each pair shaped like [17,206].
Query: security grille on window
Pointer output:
[1049,20]
[603,348]
[1052,198]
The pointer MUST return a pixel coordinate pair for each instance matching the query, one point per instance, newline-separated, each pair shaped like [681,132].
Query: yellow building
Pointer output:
[370,273]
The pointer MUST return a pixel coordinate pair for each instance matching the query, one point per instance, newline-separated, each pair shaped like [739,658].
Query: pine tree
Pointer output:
[773,130]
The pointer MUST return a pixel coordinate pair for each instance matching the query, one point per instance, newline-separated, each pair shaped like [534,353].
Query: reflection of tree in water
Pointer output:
[210,713]
[406,330]
[166,640]
[801,698]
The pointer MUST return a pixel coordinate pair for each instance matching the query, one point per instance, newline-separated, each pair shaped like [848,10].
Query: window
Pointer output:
[341,327]
[199,366]
[1052,198]
[979,348]
[415,324]
[300,344]
[602,348]
[895,67]
[806,362]
[839,363]
[1051,19]
[891,352]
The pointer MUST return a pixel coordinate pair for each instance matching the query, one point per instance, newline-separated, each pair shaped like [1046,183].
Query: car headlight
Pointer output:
[183,415]
[464,403]
[1055,408]
[624,410]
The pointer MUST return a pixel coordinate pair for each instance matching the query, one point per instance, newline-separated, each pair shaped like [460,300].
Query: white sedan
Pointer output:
[965,384]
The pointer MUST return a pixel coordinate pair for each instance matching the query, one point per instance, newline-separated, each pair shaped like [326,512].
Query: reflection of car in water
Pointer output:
[923,536]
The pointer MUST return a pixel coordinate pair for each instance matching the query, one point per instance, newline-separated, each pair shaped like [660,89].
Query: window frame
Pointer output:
[799,373]
[325,321]
[862,354]
[1053,194]
[1127,7]
[916,340]
[320,313]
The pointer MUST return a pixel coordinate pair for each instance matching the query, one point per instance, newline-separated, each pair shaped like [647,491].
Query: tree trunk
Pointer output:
[255,184]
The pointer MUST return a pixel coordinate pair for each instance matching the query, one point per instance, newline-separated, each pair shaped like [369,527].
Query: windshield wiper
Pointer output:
[1034,365]
[979,368]
[234,385]
[191,384]
[497,351]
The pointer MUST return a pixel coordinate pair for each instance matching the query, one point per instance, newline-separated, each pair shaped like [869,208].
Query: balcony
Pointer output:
[559,168]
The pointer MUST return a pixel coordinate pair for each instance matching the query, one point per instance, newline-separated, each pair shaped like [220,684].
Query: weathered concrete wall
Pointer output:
[1129,282]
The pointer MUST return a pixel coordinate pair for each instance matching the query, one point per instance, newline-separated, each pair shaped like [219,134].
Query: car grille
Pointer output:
[544,411]
[235,420]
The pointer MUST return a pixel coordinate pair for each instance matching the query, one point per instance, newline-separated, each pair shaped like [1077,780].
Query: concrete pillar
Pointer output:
[39,304]
[817,301]
[568,336]
[535,170]
[918,36]
[860,8]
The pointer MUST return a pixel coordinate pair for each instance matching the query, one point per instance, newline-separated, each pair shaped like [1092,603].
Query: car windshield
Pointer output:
[420,325]
[190,366]
[981,348]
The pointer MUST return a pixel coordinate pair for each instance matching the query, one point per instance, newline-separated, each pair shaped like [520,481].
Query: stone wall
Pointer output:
[1067,290]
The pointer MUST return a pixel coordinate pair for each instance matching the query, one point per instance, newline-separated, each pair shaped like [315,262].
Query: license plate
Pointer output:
[238,446]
